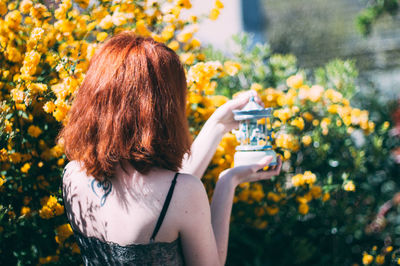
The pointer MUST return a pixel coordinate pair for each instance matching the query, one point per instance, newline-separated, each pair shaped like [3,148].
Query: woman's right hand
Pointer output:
[252,172]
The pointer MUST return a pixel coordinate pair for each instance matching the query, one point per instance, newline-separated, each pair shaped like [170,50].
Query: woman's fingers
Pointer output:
[241,100]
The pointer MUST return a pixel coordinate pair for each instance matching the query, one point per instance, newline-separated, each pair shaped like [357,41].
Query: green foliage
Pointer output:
[334,232]
[373,12]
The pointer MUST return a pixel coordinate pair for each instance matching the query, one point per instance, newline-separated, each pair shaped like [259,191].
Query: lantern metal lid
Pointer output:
[252,110]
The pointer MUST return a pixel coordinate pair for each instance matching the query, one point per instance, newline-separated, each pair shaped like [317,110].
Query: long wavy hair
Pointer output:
[130,106]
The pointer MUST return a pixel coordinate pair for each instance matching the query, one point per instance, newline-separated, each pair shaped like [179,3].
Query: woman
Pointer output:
[130,195]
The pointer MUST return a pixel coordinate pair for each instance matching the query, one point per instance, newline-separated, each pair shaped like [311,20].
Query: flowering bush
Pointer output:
[45,52]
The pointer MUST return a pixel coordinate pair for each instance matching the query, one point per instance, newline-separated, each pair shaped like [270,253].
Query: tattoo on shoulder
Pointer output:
[101,187]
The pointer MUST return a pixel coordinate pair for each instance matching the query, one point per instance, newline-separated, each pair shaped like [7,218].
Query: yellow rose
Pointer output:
[349,186]
[231,68]
[34,131]
[295,81]
[303,208]
[380,259]
[168,32]
[101,36]
[367,259]
[306,140]
[272,210]
[214,14]
[25,168]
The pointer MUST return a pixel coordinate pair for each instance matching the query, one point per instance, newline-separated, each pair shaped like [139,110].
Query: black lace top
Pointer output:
[97,252]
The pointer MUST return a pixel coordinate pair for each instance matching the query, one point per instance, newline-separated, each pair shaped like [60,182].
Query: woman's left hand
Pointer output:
[223,116]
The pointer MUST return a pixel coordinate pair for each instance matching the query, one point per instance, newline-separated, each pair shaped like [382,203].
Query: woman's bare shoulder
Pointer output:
[191,194]
[189,184]
[74,176]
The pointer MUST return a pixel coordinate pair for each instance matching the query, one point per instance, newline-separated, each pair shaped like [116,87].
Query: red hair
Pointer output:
[131,105]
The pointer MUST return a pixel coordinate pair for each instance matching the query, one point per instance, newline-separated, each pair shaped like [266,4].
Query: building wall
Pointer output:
[317,31]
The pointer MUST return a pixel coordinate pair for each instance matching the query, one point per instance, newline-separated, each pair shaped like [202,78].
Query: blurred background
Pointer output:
[315,31]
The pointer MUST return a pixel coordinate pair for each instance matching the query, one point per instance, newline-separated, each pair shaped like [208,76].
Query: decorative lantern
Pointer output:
[254,134]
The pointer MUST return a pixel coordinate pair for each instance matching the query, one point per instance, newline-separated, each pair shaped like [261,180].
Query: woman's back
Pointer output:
[114,220]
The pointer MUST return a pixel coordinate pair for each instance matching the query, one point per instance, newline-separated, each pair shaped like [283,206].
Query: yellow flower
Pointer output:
[63,232]
[257,194]
[141,28]
[349,186]
[58,209]
[3,8]
[313,94]
[51,202]
[18,96]
[367,259]
[37,34]
[60,113]
[316,192]
[2,181]
[187,58]
[83,3]
[295,81]
[297,180]
[256,86]
[385,125]
[261,224]
[303,208]
[7,126]
[25,168]
[185,4]
[101,36]
[214,14]
[272,210]
[306,140]
[333,95]
[75,249]
[49,107]
[389,249]
[25,210]
[219,4]
[244,195]
[380,259]
[37,87]
[326,197]
[333,108]
[283,114]
[34,131]
[287,155]
[46,213]
[231,68]
[298,122]
[309,177]
[13,54]
[15,157]
[174,45]
[168,32]
[273,197]
[60,162]
[13,19]
[184,36]
[195,43]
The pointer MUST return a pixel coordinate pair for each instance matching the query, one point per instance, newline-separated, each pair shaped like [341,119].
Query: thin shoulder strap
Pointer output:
[164,208]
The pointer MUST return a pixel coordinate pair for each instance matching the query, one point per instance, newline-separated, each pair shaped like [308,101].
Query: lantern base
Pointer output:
[251,157]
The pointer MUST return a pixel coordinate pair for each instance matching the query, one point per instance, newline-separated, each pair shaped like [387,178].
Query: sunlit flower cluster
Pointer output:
[50,207]
[386,254]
